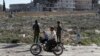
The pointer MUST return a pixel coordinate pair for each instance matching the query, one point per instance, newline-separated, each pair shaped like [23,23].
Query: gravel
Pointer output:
[23,50]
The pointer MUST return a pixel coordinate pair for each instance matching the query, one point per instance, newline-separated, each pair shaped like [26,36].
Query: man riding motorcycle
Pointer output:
[50,38]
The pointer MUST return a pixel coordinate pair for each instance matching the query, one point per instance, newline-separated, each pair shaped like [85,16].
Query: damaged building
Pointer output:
[52,5]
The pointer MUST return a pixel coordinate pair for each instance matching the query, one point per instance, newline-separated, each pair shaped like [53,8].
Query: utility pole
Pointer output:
[4,8]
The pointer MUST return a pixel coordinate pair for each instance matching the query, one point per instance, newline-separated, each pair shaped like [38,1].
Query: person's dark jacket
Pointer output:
[36,28]
[58,30]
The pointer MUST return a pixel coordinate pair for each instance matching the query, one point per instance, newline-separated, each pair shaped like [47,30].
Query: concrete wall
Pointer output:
[62,5]
[83,4]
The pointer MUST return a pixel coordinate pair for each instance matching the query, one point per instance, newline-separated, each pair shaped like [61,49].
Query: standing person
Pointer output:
[78,36]
[59,29]
[36,29]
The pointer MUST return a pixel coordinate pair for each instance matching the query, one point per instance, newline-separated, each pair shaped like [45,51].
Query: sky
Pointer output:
[99,2]
[8,2]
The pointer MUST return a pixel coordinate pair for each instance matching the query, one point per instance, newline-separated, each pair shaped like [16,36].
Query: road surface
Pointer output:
[23,50]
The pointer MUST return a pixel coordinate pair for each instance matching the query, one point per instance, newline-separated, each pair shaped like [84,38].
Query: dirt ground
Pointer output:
[23,50]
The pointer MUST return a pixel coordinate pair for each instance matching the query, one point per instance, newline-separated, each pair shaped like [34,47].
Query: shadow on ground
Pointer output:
[22,51]
[12,46]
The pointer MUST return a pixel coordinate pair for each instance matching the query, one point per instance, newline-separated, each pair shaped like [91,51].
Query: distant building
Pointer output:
[39,1]
[19,7]
[65,5]
[86,4]
[83,4]
[50,5]
[46,5]
[95,4]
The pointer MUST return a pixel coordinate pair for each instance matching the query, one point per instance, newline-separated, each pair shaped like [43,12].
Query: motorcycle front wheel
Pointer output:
[35,49]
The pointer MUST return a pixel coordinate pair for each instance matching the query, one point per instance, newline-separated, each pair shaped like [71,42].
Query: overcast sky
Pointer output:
[14,2]
[99,2]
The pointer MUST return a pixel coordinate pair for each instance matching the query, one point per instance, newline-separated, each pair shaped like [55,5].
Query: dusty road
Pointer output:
[23,50]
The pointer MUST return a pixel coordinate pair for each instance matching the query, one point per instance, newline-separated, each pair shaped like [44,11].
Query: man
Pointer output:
[78,36]
[59,29]
[36,29]
[52,39]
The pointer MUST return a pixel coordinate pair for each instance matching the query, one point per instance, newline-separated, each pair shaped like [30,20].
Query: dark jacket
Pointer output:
[36,28]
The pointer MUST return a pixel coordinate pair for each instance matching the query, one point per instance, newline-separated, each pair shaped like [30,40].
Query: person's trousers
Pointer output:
[36,38]
[58,38]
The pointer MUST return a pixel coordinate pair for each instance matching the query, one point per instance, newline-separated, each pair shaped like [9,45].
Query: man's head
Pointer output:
[58,22]
[51,28]
[36,21]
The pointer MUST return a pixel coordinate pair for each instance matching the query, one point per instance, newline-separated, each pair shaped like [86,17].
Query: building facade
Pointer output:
[50,5]
[65,5]
[19,7]
[46,5]
[83,4]
[22,7]
[95,4]
[58,5]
